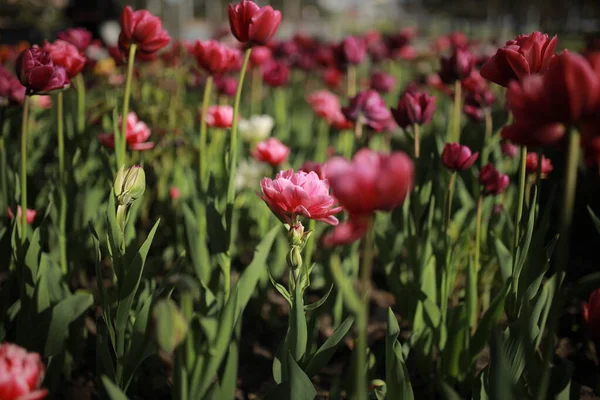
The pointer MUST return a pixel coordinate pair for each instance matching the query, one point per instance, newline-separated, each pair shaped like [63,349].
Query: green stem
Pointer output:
[62,216]
[448,202]
[322,141]
[519,213]
[362,318]
[3,184]
[256,91]
[478,233]
[203,156]
[130,63]
[485,153]
[233,150]
[457,112]
[24,169]
[351,92]
[310,244]
[417,134]
[562,257]
[80,85]
[280,113]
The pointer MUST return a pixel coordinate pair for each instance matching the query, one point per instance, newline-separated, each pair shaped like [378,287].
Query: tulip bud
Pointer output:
[170,326]
[129,184]
[294,258]
[296,234]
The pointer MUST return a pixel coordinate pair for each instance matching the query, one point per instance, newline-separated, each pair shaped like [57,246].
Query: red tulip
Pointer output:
[324,55]
[271,151]
[414,108]
[218,116]
[369,108]
[458,66]
[591,318]
[332,77]
[371,181]
[227,86]
[478,96]
[276,74]
[29,215]
[78,37]
[21,374]
[252,24]
[291,194]
[143,29]
[532,164]
[520,57]
[65,55]
[11,90]
[136,136]
[260,55]
[214,57]
[174,193]
[347,232]
[456,157]
[509,149]
[382,82]
[325,104]
[352,50]
[38,73]
[313,166]
[493,182]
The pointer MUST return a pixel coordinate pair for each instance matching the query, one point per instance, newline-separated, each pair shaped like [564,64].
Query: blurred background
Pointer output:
[34,20]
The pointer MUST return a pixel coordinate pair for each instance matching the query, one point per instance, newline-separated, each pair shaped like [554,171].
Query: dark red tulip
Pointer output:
[591,318]
[478,96]
[143,29]
[313,166]
[509,149]
[369,108]
[456,157]
[520,57]
[276,74]
[371,181]
[544,107]
[378,51]
[458,66]
[66,55]
[11,90]
[532,164]
[382,82]
[493,182]
[252,24]
[78,37]
[38,73]
[227,86]
[260,55]
[414,108]
[325,56]
[332,77]
[351,51]
[214,57]
[348,231]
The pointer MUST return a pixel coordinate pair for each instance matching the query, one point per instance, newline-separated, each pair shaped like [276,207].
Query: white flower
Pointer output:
[249,174]
[257,128]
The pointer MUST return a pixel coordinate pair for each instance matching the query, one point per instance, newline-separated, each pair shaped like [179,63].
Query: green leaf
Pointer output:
[62,315]
[216,231]
[472,294]
[320,302]
[280,288]
[447,392]
[396,374]
[504,257]
[500,377]
[328,349]
[595,219]
[104,352]
[298,332]
[170,326]
[113,391]
[228,382]
[298,387]
[488,322]
[116,240]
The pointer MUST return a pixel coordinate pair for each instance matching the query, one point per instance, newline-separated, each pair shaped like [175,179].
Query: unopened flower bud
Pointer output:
[294,258]
[296,234]
[129,184]
[170,326]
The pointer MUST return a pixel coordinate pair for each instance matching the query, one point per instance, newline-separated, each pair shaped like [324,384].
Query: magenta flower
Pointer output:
[509,149]
[532,164]
[137,134]
[369,108]
[271,151]
[347,232]
[214,57]
[66,55]
[11,90]
[414,108]
[458,66]
[493,182]
[352,50]
[38,73]
[143,29]
[291,194]
[382,82]
[456,157]
[252,24]
[218,116]
[29,215]
[78,37]
[21,374]
[276,73]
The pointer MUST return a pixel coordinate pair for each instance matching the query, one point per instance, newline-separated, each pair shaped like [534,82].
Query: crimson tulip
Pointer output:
[493,182]
[457,157]
[458,66]
[276,74]
[38,73]
[66,55]
[591,317]
[368,108]
[260,55]
[143,29]
[351,51]
[21,374]
[226,86]
[214,57]
[81,38]
[414,108]
[252,24]
[11,90]
[382,82]
[532,164]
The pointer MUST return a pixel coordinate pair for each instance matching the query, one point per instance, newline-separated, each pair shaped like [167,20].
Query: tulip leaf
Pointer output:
[62,315]
[328,349]
[297,335]
[595,219]
[298,387]
[487,323]
[396,374]
[504,257]
[318,303]
[112,390]
[280,288]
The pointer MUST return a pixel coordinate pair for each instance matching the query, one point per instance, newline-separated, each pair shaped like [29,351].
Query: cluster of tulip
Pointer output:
[369,131]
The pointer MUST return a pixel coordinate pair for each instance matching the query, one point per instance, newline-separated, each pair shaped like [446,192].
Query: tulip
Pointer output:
[65,55]
[478,96]
[29,214]
[458,66]
[591,317]
[332,77]
[291,194]
[492,181]
[371,181]
[509,149]
[378,51]
[21,374]
[325,105]
[38,73]
[405,53]
[456,157]
[136,136]
[226,86]
[382,82]
[43,102]
[414,108]
[313,166]
[347,232]
[252,24]
[260,55]
[214,57]
[11,90]
[532,164]
[249,174]
[219,116]
[351,51]
[271,151]
[368,108]
[174,193]
[324,55]
[257,128]
[523,56]
[143,29]
[81,38]
[276,74]
[129,184]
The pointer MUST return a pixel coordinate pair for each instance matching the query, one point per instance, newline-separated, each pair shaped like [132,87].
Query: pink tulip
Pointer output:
[532,164]
[271,151]
[291,194]
[21,374]
[174,193]
[456,157]
[65,55]
[137,134]
[382,82]
[347,232]
[218,116]
[509,149]
[326,105]
[29,215]
[368,107]
[313,166]
[492,181]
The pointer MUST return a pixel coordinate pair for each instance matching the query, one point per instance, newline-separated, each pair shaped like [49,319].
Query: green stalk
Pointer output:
[478,233]
[351,91]
[24,169]
[362,318]
[519,214]
[256,91]
[80,86]
[417,134]
[233,156]
[322,141]
[485,153]
[446,270]
[203,156]
[3,165]
[457,112]
[62,213]
[562,257]
[130,62]
[280,112]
